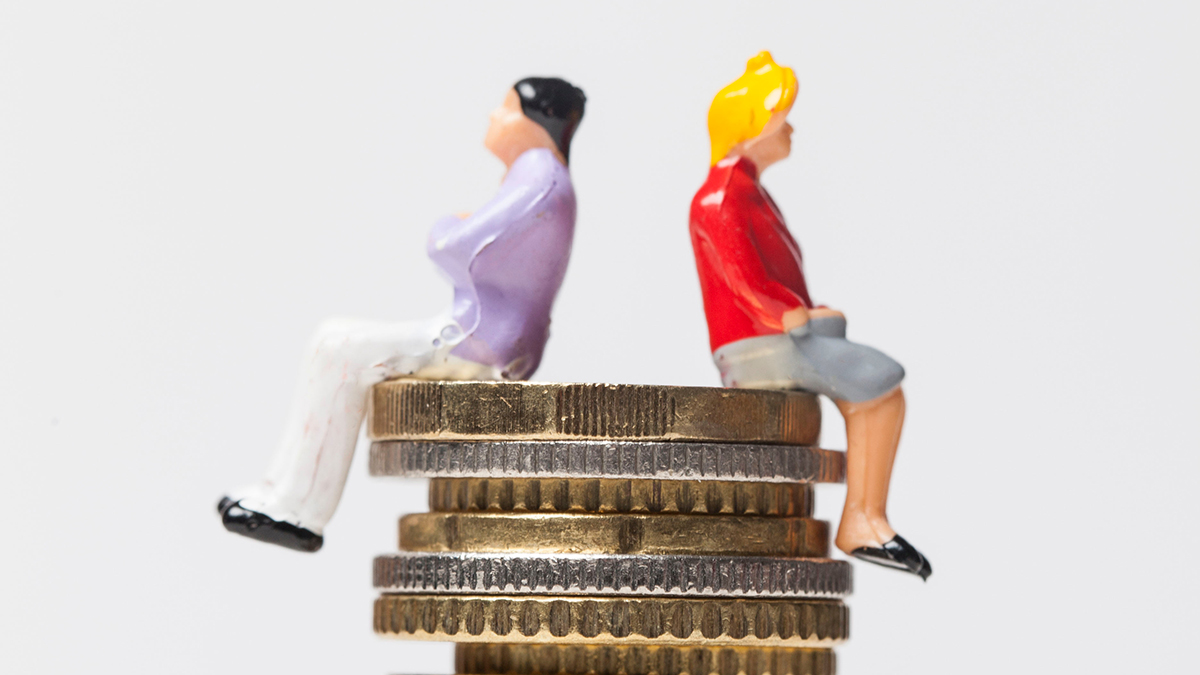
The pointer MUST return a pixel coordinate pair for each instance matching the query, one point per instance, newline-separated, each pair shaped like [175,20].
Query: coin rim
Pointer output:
[827,618]
[643,659]
[635,460]
[424,409]
[581,574]
[536,494]
[428,532]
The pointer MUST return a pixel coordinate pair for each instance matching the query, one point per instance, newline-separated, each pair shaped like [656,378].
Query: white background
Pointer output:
[1001,195]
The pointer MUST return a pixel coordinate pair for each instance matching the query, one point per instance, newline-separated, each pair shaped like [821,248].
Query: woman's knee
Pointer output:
[872,376]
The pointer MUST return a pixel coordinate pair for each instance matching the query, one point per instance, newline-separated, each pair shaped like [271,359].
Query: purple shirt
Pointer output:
[506,262]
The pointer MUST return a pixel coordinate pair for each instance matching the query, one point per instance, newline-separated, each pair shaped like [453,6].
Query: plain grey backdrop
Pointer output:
[1001,195]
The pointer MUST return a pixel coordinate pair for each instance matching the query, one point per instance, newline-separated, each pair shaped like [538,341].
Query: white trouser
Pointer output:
[345,359]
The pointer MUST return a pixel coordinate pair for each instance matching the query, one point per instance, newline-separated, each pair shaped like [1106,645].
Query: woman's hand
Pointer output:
[794,318]
[820,312]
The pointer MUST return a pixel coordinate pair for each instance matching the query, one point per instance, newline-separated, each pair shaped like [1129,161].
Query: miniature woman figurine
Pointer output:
[765,331]
[506,262]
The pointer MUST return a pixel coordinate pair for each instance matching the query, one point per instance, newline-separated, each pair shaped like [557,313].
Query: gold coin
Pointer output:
[616,495]
[659,621]
[615,533]
[533,659]
[416,409]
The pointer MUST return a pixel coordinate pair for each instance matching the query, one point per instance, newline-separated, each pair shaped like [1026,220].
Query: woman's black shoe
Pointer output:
[255,525]
[898,555]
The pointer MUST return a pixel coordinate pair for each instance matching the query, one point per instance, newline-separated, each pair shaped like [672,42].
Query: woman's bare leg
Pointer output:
[872,435]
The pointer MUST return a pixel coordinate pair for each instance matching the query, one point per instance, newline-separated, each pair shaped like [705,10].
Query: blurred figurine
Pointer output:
[506,261]
[765,331]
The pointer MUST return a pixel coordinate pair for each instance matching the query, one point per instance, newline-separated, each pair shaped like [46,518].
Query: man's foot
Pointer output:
[897,554]
[255,525]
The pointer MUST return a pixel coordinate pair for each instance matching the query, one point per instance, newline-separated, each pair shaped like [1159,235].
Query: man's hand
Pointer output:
[795,318]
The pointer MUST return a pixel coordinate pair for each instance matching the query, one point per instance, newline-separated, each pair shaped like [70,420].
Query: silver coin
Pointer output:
[581,574]
[608,459]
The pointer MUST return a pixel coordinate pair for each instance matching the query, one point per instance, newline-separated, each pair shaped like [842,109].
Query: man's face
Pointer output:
[510,133]
[503,119]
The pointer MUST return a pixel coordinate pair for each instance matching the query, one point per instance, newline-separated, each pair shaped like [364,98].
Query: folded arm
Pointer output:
[730,251]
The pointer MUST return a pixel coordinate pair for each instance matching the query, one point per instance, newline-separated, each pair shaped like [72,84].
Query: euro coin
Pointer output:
[432,410]
[608,459]
[614,533]
[620,495]
[598,574]
[661,621]
[530,659]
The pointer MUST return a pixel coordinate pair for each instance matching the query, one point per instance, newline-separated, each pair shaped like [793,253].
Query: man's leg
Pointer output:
[306,476]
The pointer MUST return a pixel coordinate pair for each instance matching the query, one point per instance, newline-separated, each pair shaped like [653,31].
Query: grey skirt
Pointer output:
[816,357]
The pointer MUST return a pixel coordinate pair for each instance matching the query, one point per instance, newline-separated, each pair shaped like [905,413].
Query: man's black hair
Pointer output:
[555,104]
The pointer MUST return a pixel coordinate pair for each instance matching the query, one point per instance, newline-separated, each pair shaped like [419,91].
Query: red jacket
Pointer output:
[750,267]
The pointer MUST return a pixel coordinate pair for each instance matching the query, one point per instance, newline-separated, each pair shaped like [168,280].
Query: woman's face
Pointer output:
[777,140]
[773,144]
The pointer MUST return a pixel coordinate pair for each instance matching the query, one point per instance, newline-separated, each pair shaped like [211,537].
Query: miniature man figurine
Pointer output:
[765,331]
[506,261]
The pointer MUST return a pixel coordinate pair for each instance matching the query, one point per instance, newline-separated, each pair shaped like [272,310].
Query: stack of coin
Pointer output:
[582,529]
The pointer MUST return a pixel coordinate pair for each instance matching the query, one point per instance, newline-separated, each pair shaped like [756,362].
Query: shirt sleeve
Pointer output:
[732,257]
[526,253]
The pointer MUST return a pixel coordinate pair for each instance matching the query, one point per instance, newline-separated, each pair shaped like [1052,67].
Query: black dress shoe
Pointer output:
[255,525]
[898,555]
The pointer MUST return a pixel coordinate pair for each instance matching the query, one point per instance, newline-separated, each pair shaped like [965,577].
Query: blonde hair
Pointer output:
[742,109]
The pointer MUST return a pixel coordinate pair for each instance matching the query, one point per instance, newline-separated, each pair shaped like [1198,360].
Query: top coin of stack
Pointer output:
[610,528]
